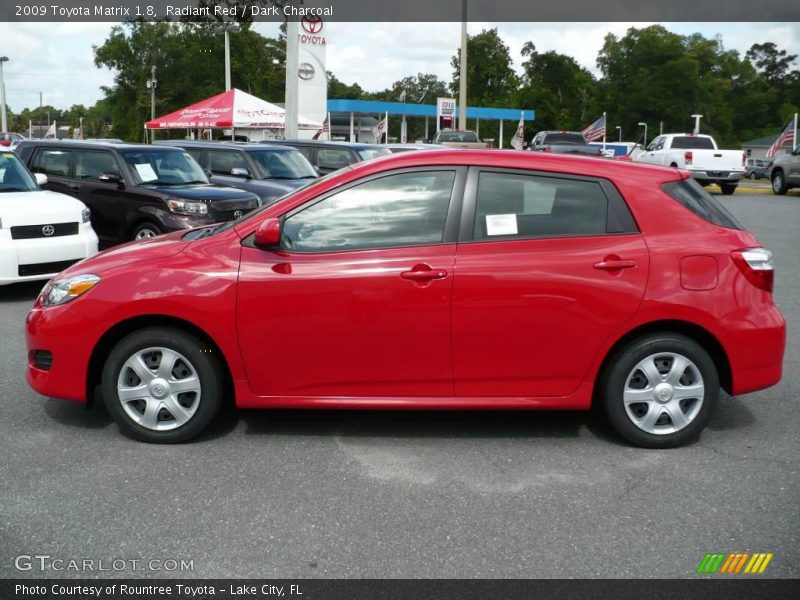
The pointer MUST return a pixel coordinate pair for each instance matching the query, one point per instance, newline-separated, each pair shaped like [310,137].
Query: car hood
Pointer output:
[41,207]
[203,192]
[129,255]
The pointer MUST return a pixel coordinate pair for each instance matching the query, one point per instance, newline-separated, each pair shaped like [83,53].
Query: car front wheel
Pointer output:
[659,390]
[162,385]
[146,231]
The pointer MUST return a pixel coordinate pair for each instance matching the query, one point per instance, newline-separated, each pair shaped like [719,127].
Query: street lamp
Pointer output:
[3,94]
[642,124]
[227,28]
[620,132]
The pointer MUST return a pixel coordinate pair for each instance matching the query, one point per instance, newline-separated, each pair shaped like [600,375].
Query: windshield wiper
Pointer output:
[195,181]
[14,189]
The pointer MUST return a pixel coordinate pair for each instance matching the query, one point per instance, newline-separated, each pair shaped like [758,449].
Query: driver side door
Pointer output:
[356,301]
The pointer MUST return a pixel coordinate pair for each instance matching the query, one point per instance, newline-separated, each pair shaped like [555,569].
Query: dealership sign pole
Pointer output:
[292,81]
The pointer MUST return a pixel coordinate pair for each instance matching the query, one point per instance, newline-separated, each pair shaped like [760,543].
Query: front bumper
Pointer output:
[42,258]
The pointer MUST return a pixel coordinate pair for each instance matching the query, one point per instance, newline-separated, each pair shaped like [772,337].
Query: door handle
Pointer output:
[423,273]
[610,264]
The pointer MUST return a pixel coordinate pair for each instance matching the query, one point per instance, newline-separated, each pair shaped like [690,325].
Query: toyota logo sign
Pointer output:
[237,214]
[311,23]
[48,230]
[306,71]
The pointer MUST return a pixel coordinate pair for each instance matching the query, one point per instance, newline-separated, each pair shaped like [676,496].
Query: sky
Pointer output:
[57,59]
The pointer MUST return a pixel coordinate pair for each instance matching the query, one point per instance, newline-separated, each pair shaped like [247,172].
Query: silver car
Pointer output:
[785,172]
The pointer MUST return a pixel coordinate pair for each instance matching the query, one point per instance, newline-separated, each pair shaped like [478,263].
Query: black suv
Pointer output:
[332,156]
[268,171]
[134,191]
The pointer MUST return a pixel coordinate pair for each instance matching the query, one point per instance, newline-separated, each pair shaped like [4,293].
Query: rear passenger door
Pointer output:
[55,163]
[109,203]
[547,268]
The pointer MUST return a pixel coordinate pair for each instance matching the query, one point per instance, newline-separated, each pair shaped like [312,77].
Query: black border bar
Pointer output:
[493,11]
[730,588]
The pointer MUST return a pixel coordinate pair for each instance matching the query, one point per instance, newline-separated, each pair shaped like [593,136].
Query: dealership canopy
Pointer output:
[233,108]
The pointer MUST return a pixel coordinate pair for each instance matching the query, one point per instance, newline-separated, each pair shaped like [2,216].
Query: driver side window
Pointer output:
[405,209]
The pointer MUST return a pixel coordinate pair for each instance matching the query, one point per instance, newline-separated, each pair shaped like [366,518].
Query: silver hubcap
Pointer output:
[777,183]
[145,233]
[159,389]
[663,393]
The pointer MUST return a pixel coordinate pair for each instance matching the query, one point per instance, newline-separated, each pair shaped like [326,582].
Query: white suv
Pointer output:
[41,232]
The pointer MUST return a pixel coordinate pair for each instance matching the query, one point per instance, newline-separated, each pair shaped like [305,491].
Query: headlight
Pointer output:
[86,214]
[64,290]
[187,207]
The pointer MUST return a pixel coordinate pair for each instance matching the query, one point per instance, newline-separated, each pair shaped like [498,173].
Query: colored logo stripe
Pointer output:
[734,562]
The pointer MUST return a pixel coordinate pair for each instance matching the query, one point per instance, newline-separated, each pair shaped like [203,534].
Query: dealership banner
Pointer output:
[399,589]
[405,11]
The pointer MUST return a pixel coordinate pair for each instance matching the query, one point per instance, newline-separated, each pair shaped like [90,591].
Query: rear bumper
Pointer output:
[755,351]
[725,176]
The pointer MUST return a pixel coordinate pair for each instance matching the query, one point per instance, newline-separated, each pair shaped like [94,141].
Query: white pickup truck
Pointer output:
[699,155]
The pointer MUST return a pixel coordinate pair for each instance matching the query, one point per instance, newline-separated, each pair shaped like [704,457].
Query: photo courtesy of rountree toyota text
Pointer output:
[333,299]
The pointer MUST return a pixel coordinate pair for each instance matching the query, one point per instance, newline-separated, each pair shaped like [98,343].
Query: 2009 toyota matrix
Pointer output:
[447,279]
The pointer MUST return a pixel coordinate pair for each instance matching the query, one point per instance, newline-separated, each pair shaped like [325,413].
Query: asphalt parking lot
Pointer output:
[380,494]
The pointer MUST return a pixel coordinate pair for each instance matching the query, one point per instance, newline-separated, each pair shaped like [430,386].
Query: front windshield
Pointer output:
[13,176]
[284,164]
[151,166]
[367,153]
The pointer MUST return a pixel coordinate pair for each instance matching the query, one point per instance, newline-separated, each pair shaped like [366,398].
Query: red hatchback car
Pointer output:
[429,280]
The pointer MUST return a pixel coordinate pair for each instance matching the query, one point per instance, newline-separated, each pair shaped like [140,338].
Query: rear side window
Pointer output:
[565,138]
[528,206]
[689,142]
[51,162]
[329,158]
[692,195]
[90,164]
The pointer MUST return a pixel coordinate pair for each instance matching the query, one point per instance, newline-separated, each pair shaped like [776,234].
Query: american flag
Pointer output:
[595,131]
[787,135]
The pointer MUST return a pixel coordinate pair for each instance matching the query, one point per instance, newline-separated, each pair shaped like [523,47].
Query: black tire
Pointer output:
[779,186]
[146,230]
[752,175]
[201,362]
[621,367]
[728,188]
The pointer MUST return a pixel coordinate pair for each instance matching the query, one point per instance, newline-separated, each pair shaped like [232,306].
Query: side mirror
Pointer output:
[108,177]
[268,234]
[208,173]
[40,178]
[316,169]
[240,172]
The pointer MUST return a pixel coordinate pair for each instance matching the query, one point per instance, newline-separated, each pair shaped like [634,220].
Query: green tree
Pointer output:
[563,93]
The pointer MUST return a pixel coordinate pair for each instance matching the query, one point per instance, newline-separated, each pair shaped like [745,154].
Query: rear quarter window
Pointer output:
[691,195]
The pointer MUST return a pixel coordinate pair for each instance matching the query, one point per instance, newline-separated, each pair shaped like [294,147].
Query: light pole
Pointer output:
[3,94]
[642,124]
[620,132]
[697,122]
[152,85]
[462,77]
[227,29]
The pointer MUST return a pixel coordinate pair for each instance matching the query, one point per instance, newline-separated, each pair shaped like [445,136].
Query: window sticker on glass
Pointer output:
[146,172]
[501,224]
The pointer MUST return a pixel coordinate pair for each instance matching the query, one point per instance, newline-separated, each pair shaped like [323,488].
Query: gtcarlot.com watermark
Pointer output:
[48,563]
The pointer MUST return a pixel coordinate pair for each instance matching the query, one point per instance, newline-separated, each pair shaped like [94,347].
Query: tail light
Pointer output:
[687,157]
[600,151]
[744,158]
[5,142]
[547,149]
[756,265]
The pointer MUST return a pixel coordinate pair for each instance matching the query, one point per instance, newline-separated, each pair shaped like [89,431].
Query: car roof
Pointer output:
[569,164]
[321,143]
[244,146]
[96,145]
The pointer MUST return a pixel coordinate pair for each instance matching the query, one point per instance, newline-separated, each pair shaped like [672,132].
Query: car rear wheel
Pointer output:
[162,385]
[659,390]
[779,183]
[752,175]
[727,188]
[146,231]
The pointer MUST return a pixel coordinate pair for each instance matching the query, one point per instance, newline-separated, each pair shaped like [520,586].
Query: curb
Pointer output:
[746,190]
